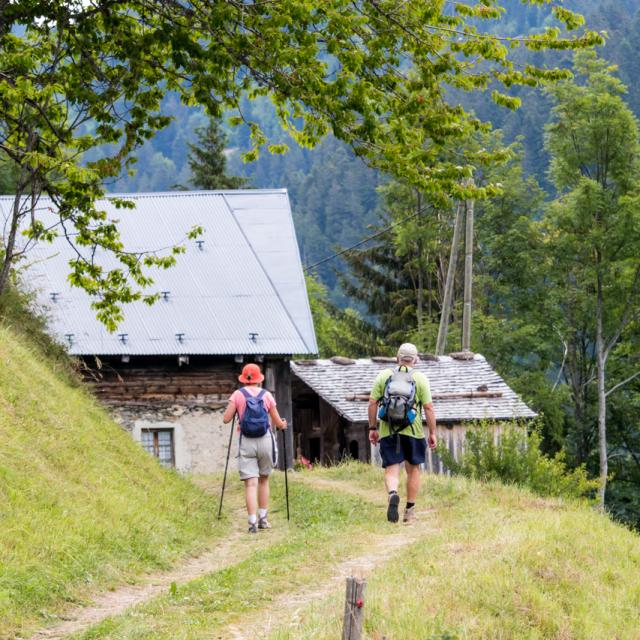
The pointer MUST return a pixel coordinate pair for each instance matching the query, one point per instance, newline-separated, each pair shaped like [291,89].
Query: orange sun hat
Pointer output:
[251,374]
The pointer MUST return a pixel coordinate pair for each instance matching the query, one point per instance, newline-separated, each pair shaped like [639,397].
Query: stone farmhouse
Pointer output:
[330,403]
[237,295]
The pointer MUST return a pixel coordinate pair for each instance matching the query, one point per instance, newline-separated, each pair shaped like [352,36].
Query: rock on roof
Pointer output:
[335,382]
[240,291]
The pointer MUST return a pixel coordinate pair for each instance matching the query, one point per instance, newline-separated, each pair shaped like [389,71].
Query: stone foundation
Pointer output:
[200,438]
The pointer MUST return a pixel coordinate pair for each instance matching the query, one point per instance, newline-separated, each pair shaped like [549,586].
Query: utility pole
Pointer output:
[447,302]
[468,276]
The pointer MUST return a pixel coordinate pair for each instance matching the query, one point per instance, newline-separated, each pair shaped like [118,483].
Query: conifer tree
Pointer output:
[208,162]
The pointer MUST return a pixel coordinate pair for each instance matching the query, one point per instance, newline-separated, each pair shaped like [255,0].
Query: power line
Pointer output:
[357,244]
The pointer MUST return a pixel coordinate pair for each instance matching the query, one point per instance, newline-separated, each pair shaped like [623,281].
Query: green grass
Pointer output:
[497,562]
[81,505]
[325,528]
[502,563]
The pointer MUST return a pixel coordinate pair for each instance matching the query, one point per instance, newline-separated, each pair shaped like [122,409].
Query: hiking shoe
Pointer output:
[252,528]
[409,515]
[263,523]
[392,509]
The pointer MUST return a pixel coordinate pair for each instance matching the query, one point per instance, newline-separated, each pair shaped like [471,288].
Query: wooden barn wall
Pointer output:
[453,437]
[321,434]
[278,380]
[165,381]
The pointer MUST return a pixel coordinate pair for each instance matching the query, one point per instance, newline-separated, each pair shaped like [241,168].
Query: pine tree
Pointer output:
[207,161]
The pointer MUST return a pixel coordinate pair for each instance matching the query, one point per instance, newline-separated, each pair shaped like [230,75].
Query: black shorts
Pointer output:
[411,450]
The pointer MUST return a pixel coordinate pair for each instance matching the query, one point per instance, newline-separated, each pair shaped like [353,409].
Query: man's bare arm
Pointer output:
[372,413]
[430,415]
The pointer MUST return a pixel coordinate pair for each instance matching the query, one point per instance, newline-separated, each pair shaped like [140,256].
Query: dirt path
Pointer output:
[222,554]
[234,549]
[287,610]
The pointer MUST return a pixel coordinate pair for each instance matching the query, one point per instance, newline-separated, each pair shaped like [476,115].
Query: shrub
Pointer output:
[516,458]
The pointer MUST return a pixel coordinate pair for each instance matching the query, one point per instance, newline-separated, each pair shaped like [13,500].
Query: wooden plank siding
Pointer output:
[278,379]
[116,382]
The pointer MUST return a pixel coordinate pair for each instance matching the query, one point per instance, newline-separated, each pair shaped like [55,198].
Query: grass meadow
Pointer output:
[494,562]
[82,506]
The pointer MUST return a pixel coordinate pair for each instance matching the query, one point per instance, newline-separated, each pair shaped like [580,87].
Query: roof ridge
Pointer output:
[173,194]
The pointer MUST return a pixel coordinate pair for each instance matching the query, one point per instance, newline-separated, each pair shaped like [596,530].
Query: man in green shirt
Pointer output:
[409,445]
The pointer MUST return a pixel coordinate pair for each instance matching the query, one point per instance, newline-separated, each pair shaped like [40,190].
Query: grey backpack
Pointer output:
[397,406]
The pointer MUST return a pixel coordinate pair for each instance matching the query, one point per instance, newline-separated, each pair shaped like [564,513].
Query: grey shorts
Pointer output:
[257,456]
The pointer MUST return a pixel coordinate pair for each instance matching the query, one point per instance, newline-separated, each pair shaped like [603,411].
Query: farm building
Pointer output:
[330,403]
[236,295]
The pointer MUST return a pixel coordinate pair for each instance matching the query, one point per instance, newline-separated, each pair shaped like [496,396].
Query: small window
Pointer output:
[159,442]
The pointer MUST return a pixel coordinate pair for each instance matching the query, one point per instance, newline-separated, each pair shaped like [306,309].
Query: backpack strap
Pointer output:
[385,393]
[247,395]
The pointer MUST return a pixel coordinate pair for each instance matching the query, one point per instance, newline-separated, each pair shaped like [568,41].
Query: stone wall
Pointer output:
[200,438]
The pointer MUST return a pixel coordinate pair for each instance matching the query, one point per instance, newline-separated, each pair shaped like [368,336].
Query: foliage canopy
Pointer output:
[85,74]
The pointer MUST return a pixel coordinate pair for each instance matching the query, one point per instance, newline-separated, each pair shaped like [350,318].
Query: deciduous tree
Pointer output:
[593,229]
[88,73]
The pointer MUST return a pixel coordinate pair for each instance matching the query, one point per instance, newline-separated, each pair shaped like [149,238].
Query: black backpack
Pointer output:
[397,405]
[255,420]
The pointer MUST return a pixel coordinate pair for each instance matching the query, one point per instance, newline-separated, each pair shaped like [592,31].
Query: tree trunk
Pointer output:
[420,305]
[447,302]
[9,249]
[468,278]
[602,396]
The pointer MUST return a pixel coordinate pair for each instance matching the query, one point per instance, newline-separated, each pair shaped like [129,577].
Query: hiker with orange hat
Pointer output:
[257,451]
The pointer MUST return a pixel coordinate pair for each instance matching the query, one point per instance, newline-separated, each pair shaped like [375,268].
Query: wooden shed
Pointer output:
[330,403]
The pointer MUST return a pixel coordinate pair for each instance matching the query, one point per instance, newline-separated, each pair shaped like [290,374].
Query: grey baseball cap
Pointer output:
[407,350]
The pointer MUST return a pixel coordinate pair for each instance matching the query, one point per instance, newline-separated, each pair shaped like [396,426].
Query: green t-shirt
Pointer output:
[423,396]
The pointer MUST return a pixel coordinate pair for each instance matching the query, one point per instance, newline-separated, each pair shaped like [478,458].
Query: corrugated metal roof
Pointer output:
[246,278]
[335,382]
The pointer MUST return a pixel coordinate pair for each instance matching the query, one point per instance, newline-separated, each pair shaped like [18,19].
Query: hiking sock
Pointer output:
[410,505]
[262,513]
[253,518]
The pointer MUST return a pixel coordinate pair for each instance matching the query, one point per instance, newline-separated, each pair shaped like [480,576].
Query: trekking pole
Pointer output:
[226,466]
[286,464]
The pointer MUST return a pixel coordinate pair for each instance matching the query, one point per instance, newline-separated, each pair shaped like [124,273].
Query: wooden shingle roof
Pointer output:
[337,383]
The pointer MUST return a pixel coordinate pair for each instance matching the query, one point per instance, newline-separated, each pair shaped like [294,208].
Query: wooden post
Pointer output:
[354,609]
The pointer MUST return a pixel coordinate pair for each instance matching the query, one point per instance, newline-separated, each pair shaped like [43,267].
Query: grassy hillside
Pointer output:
[484,561]
[81,505]
[83,508]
